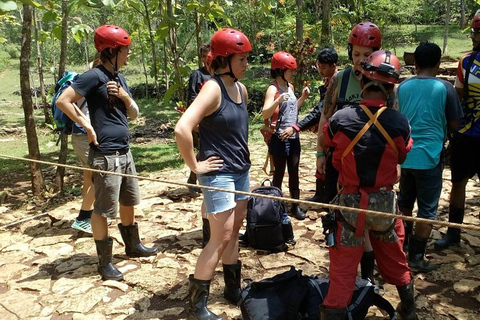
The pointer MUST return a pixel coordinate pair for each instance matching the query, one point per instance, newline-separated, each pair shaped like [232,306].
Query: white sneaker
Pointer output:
[83,225]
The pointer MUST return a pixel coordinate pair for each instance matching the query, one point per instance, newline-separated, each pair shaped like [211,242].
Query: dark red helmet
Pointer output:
[475,24]
[283,60]
[382,66]
[228,41]
[366,34]
[110,37]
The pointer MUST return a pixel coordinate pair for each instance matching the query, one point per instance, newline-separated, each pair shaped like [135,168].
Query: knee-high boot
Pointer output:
[332,314]
[319,191]
[105,265]
[416,255]
[406,307]
[205,231]
[133,246]
[198,292]
[452,236]
[367,265]
[296,210]
[232,276]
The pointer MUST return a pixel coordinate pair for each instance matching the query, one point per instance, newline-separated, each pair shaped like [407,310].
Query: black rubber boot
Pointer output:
[205,231]
[133,247]
[319,196]
[408,233]
[453,235]
[367,265]
[232,275]
[297,212]
[105,265]
[406,307]
[198,292]
[192,179]
[332,314]
[416,253]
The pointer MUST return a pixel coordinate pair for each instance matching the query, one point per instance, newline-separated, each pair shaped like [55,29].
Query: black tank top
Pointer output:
[224,133]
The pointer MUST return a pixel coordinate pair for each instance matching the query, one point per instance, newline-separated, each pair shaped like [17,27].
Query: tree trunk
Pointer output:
[174,52]
[463,20]
[299,22]
[447,24]
[62,157]
[154,48]
[63,40]
[326,38]
[46,109]
[32,140]
[198,39]
[142,50]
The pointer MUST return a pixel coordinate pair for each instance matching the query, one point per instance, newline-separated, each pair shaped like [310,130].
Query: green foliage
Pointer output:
[4,60]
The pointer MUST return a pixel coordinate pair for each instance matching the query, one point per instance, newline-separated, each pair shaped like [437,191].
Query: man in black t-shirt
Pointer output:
[109,104]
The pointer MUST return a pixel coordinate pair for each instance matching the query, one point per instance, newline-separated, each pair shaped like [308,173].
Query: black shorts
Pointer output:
[464,157]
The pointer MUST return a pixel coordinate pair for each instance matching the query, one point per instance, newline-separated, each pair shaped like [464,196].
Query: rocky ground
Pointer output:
[48,270]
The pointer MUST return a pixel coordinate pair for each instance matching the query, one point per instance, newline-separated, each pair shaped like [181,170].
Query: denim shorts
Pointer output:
[220,201]
[424,186]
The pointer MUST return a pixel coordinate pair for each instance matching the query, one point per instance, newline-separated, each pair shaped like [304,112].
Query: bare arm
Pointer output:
[305,94]
[130,105]
[330,102]
[207,101]
[270,103]
[66,103]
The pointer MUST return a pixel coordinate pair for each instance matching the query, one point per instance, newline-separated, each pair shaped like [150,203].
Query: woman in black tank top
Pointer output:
[223,161]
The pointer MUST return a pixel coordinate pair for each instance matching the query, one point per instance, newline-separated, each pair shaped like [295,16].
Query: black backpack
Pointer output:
[293,296]
[264,220]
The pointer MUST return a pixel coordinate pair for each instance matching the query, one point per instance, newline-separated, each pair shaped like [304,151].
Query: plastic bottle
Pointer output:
[287,229]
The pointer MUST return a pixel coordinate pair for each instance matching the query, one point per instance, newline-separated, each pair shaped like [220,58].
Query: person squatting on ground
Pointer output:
[284,145]
[195,83]
[345,89]
[370,140]
[220,111]
[109,103]
[431,106]
[465,144]
[326,66]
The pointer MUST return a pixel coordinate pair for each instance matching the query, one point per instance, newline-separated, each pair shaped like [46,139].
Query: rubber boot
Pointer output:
[198,292]
[406,307]
[319,196]
[332,314]
[367,265]
[205,231]
[133,247]
[416,253]
[453,235]
[105,265]
[296,210]
[232,276]
[408,233]
[192,179]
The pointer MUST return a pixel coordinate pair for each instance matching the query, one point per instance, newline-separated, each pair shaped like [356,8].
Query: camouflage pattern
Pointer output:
[383,201]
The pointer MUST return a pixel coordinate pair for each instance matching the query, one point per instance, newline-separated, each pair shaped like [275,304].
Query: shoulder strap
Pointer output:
[471,58]
[373,120]
[344,84]
[272,121]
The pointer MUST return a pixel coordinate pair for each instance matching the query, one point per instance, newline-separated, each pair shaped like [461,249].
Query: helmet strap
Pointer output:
[229,72]
[378,84]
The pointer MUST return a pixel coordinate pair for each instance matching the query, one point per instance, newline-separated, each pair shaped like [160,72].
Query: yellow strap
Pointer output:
[373,120]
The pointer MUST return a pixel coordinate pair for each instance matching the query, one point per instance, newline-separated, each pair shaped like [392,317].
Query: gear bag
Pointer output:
[62,123]
[264,220]
[293,296]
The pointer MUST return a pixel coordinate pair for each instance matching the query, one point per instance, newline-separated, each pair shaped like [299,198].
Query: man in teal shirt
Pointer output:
[431,106]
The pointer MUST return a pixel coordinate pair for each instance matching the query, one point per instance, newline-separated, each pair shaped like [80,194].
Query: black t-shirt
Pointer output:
[195,83]
[109,121]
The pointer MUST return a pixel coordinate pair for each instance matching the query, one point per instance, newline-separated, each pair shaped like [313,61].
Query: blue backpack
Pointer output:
[62,123]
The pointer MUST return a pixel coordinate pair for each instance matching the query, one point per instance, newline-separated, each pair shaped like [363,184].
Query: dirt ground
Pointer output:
[48,270]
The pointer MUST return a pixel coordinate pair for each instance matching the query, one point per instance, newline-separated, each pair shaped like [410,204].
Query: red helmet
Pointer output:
[475,24]
[110,37]
[229,41]
[366,34]
[382,66]
[283,60]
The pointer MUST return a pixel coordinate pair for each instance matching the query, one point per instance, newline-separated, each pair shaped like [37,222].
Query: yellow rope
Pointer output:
[310,203]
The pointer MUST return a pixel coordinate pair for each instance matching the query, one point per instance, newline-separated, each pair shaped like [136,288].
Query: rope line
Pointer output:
[297,201]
